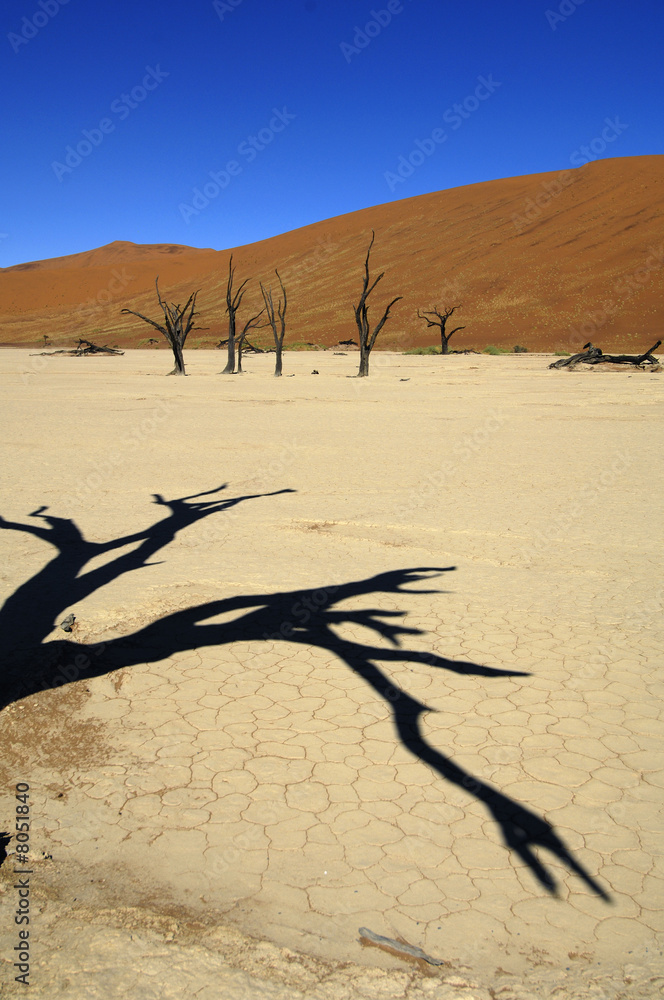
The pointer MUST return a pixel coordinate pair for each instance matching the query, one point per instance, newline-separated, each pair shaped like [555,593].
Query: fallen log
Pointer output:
[594,356]
[631,359]
[94,349]
[79,351]
[588,352]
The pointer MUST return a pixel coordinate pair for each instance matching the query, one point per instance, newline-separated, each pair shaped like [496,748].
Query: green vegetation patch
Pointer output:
[431,349]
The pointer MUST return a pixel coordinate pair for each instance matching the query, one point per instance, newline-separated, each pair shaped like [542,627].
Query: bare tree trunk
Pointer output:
[232,305]
[239,357]
[441,322]
[179,360]
[251,323]
[272,316]
[366,337]
[177,328]
[230,364]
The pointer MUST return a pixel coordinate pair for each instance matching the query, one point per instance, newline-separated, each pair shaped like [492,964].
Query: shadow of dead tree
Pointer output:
[29,615]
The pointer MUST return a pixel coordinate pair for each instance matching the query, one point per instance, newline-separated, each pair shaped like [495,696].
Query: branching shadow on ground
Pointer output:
[5,839]
[30,614]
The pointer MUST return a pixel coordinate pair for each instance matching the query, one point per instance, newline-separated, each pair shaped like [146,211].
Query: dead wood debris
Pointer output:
[594,356]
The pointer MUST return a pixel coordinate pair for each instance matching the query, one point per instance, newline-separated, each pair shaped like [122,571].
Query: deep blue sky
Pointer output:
[229,64]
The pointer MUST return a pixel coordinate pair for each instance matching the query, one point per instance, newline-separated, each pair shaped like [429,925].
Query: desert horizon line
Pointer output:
[573,168]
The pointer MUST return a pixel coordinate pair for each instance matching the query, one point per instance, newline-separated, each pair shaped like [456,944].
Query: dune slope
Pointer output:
[547,261]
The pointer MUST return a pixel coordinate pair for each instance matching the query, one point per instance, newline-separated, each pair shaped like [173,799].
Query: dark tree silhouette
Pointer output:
[249,325]
[177,328]
[28,617]
[233,303]
[278,330]
[31,613]
[592,355]
[367,337]
[441,322]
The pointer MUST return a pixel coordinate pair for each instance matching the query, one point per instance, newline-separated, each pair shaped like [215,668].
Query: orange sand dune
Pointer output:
[547,261]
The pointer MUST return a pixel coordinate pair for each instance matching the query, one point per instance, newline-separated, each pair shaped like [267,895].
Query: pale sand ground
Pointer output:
[238,803]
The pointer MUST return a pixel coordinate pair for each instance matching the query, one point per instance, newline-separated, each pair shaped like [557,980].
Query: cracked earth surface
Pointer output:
[223,819]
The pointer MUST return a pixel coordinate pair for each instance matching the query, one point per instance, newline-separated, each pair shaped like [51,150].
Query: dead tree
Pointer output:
[177,328]
[249,325]
[91,348]
[593,356]
[233,302]
[272,317]
[367,336]
[81,351]
[441,321]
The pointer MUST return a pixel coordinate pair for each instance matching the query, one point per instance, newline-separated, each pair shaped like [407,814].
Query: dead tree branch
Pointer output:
[249,325]
[593,356]
[272,317]
[233,302]
[441,321]
[177,325]
[366,335]
[80,351]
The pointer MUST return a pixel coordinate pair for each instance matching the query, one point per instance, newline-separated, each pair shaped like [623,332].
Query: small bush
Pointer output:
[496,350]
[431,349]
[520,350]
[562,354]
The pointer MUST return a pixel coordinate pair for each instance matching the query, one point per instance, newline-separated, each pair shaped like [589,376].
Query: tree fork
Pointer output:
[177,328]
[233,302]
[366,336]
[272,316]
[441,322]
